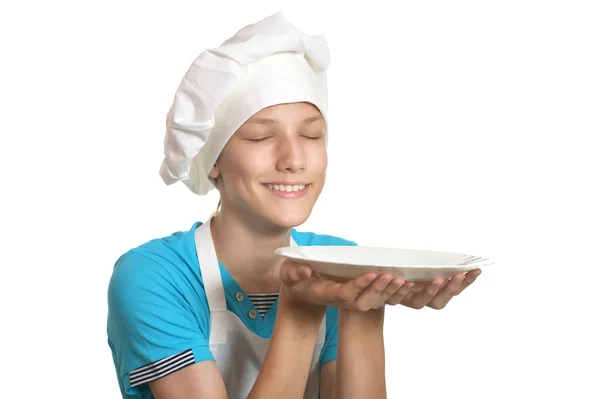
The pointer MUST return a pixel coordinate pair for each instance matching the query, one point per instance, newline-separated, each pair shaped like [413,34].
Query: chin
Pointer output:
[288,218]
[287,213]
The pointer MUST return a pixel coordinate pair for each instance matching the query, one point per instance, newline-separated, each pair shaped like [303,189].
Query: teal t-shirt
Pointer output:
[158,315]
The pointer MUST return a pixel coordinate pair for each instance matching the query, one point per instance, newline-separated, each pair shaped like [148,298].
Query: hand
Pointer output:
[436,293]
[366,292]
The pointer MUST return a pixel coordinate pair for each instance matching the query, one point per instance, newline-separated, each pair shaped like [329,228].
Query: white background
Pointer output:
[467,126]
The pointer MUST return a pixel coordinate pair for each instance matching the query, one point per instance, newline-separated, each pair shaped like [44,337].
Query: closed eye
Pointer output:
[258,139]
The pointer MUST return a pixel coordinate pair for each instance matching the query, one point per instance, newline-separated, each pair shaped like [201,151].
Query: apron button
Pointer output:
[252,314]
[239,296]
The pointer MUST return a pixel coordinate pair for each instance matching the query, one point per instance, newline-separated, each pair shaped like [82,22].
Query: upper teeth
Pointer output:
[286,187]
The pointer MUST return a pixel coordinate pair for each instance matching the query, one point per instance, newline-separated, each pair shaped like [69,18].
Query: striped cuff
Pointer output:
[161,368]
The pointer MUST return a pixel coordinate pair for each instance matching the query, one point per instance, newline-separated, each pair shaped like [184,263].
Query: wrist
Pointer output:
[371,319]
[298,307]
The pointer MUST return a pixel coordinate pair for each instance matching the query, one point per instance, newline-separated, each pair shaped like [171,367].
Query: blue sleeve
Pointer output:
[150,318]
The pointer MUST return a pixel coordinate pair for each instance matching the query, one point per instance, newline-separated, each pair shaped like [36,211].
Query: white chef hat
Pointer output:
[266,63]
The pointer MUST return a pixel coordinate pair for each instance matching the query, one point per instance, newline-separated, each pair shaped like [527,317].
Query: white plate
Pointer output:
[410,264]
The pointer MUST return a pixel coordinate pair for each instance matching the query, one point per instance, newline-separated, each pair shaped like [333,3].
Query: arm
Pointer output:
[200,380]
[360,365]
[359,371]
[284,371]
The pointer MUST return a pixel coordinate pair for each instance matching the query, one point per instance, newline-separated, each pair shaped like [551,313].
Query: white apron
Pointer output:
[239,353]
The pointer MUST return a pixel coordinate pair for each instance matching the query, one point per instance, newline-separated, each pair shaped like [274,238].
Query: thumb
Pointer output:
[291,273]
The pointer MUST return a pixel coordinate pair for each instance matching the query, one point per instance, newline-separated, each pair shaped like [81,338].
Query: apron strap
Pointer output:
[213,285]
[209,267]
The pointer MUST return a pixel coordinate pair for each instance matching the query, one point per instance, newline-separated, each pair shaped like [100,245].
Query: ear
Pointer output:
[214,172]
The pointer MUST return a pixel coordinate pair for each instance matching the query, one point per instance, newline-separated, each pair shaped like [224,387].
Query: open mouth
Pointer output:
[287,190]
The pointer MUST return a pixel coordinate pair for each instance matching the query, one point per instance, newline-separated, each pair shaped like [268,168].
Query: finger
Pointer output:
[321,291]
[446,281]
[470,278]
[292,273]
[333,278]
[420,299]
[407,299]
[374,295]
[351,289]
[391,291]
[393,287]
[400,295]
[338,293]
[419,286]
[453,288]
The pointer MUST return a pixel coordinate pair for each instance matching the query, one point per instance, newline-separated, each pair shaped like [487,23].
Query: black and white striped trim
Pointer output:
[263,302]
[161,368]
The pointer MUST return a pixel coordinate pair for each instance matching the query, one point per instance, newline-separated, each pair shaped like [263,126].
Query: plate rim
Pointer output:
[481,263]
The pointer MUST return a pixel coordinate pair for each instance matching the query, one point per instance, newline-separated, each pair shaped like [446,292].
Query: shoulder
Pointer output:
[155,265]
[168,249]
[304,238]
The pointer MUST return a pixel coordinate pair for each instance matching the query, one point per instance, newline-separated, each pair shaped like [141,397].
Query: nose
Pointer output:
[291,155]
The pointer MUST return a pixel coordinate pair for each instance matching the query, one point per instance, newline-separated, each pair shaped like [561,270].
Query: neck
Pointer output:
[246,250]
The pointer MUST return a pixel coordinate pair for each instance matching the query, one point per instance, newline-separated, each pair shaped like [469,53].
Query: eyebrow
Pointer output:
[269,121]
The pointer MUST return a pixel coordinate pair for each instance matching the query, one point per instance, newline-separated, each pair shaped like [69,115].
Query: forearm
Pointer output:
[286,366]
[360,370]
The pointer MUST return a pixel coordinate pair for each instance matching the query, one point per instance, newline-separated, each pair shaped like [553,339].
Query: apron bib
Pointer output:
[239,353]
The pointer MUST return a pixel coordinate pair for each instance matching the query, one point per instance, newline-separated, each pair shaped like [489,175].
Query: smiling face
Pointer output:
[272,170]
